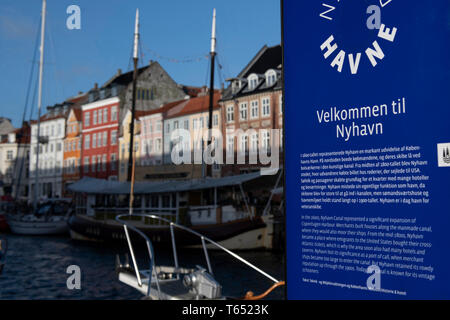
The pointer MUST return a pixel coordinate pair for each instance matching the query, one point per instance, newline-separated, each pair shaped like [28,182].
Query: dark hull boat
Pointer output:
[217,208]
[3,224]
[240,234]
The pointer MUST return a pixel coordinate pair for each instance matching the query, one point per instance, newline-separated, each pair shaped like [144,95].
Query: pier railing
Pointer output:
[174,226]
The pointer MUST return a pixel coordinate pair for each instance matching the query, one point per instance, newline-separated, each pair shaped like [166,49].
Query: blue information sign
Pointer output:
[367,96]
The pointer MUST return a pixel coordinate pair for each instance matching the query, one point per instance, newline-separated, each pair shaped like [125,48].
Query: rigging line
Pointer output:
[30,81]
[130,60]
[58,80]
[186,59]
[219,68]
[33,102]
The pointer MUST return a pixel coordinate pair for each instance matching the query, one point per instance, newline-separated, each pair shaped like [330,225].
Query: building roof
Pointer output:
[197,105]
[163,109]
[5,126]
[100,186]
[22,135]
[192,91]
[267,58]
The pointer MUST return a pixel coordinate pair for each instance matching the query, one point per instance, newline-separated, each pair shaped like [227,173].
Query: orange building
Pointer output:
[72,150]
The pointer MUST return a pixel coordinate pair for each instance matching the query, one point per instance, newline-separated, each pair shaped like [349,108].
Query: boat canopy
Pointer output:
[101,186]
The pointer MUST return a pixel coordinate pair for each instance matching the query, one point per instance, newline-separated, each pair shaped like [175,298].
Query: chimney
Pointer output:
[222,87]
[119,72]
[96,86]
[151,61]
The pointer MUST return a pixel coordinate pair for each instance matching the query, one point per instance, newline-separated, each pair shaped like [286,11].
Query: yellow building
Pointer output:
[124,143]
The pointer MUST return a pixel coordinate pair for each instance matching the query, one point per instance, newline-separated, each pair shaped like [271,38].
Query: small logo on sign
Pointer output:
[443,154]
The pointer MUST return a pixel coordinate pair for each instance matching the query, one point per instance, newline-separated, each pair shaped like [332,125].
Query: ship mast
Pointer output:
[131,160]
[41,71]
[211,86]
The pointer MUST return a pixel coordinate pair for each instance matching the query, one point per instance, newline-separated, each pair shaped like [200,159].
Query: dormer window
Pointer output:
[102,94]
[271,77]
[114,91]
[235,86]
[252,81]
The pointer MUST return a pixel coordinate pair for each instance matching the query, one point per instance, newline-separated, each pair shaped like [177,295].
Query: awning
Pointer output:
[100,186]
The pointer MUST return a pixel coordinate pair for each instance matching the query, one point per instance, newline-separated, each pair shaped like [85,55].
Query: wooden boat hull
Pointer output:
[238,234]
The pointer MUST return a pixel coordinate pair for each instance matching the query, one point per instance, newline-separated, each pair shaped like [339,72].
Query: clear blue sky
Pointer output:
[176,29]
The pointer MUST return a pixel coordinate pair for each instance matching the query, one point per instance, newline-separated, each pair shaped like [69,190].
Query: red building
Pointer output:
[100,146]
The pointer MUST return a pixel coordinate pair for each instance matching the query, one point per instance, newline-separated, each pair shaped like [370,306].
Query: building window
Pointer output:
[158,145]
[86,164]
[114,113]
[94,117]
[230,114]
[243,111]
[99,139]
[194,124]
[244,143]
[158,126]
[254,142]
[79,144]
[235,86]
[254,109]
[265,139]
[105,138]
[168,128]
[266,107]
[230,143]
[93,164]
[113,162]
[175,124]
[94,141]
[105,115]
[114,137]
[87,142]
[66,146]
[87,119]
[281,104]
[58,147]
[104,163]
[99,163]
[252,81]
[149,147]
[271,77]
[9,155]
[215,120]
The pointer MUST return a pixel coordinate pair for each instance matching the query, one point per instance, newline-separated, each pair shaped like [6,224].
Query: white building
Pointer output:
[14,162]
[51,152]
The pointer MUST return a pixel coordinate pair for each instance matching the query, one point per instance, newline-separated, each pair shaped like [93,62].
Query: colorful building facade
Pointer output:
[251,107]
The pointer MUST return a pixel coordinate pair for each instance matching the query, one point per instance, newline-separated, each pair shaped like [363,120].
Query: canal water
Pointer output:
[36,269]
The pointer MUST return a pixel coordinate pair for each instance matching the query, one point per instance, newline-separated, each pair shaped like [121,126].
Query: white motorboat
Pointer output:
[175,282]
[50,219]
